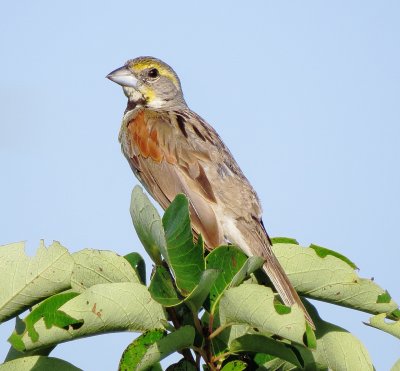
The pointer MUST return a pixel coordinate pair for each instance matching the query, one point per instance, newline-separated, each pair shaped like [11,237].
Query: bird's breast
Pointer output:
[142,135]
[144,139]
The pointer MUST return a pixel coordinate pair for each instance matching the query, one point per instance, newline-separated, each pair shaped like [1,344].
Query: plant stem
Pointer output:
[221,356]
[217,331]
[197,323]
[210,323]
[200,352]
[187,354]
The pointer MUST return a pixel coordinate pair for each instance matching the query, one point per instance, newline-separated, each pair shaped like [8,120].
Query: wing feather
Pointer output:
[167,164]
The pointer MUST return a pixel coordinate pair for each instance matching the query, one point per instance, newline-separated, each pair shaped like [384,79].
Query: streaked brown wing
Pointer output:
[166,162]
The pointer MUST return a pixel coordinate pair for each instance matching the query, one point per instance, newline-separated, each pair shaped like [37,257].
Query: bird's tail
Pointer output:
[281,282]
[277,275]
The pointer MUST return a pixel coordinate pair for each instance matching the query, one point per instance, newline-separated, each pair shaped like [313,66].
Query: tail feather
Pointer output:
[277,275]
[283,286]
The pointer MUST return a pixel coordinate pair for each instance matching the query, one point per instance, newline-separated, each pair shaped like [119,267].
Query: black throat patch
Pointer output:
[133,104]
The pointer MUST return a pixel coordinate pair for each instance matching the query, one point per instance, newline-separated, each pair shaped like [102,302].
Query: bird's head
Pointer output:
[150,83]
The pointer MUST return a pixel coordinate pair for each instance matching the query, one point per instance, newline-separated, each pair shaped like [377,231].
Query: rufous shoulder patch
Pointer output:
[144,138]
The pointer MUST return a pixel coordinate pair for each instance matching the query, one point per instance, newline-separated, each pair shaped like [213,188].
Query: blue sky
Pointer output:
[305,94]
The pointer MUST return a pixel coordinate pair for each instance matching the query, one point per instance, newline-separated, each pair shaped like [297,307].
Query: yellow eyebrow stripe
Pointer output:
[148,63]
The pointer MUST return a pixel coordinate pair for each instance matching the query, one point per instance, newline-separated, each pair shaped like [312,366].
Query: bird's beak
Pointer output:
[123,76]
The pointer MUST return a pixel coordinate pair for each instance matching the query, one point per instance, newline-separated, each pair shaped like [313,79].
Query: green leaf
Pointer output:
[380,322]
[93,267]
[331,279]
[310,338]
[264,344]
[162,288]
[395,314]
[277,364]
[234,266]
[324,252]
[155,367]
[137,263]
[38,363]
[384,298]
[196,298]
[235,366]
[182,365]
[25,281]
[175,341]
[252,264]
[253,305]
[135,351]
[337,349]
[221,343]
[102,308]
[276,240]
[49,312]
[184,258]
[147,223]
[282,308]
[14,353]
[261,358]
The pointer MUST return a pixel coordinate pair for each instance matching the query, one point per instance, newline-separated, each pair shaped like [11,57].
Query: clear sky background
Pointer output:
[305,94]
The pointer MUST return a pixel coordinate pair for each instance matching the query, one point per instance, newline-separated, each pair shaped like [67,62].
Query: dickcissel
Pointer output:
[173,150]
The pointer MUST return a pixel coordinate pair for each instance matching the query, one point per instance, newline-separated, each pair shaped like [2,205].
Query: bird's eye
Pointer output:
[153,73]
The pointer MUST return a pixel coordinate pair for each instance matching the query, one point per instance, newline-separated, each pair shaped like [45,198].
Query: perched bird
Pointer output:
[173,150]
